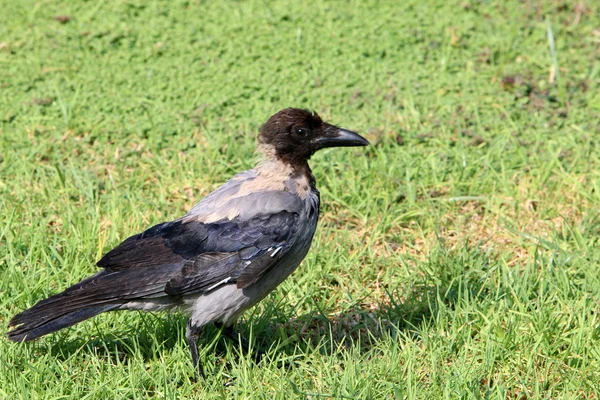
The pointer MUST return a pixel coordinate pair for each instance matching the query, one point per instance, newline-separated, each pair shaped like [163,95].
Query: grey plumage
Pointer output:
[226,254]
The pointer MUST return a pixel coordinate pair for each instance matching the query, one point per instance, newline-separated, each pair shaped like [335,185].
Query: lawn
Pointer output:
[457,257]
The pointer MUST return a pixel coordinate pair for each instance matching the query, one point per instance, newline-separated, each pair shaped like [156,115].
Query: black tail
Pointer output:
[102,292]
[31,328]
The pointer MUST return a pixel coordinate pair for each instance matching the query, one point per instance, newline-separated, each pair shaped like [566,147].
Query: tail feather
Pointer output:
[30,329]
[102,292]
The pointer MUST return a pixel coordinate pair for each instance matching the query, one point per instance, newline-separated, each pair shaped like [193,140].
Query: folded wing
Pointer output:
[201,257]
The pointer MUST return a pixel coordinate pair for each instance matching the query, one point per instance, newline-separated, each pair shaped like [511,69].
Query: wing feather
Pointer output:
[197,257]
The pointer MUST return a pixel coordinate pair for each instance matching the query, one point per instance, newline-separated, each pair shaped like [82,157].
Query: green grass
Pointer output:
[457,257]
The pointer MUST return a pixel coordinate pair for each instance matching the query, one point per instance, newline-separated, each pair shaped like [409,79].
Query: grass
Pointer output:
[457,257]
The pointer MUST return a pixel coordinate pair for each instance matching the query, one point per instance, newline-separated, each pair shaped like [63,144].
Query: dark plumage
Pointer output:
[226,254]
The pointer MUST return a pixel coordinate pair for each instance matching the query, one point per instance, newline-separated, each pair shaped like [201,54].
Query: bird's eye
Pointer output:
[302,132]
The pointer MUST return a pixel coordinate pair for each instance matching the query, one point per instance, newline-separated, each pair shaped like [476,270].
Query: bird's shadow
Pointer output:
[362,325]
[365,324]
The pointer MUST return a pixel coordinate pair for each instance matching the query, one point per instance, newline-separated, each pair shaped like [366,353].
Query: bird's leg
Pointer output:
[236,337]
[192,333]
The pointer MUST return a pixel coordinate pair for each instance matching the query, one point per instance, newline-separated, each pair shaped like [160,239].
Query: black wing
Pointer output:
[201,257]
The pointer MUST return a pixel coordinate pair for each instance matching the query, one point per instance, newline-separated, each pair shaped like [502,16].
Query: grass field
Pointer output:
[457,257]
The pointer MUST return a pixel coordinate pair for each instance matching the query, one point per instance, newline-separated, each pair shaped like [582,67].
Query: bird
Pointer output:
[226,254]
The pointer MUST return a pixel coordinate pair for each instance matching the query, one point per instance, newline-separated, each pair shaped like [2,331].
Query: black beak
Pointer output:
[338,137]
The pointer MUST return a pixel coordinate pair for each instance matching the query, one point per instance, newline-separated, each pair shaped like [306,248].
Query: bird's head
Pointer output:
[294,135]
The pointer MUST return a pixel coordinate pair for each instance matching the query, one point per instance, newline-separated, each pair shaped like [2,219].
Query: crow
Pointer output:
[225,255]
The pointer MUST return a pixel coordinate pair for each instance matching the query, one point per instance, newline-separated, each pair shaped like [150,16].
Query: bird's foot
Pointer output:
[234,336]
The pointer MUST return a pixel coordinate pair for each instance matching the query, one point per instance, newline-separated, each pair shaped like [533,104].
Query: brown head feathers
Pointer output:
[295,134]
